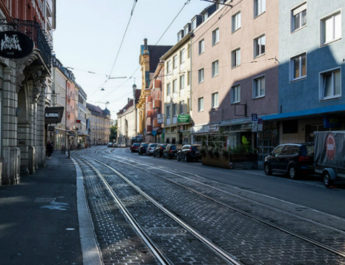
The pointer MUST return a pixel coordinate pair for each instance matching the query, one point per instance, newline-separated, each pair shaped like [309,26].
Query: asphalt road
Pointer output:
[306,192]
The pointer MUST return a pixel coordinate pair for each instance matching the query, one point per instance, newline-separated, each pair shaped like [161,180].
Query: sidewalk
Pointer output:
[39,219]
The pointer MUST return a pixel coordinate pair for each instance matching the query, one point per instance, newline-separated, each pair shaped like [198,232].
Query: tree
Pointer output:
[113,133]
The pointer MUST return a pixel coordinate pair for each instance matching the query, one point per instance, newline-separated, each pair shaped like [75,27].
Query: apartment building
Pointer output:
[311,70]
[235,72]
[177,90]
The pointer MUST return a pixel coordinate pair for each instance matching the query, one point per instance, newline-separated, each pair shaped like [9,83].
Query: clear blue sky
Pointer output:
[89,33]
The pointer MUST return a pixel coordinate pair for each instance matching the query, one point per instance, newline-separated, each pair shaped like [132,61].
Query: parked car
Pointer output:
[158,152]
[290,159]
[150,149]
[329,156]
[170,151]
[110,144]
[135,147]
[142,148]
[189,153]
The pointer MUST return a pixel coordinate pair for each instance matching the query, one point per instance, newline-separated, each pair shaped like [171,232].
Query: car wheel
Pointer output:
[292,172]
[268,169]
[327,180]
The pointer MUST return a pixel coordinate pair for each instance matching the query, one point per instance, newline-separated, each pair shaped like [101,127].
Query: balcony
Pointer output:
[33,30]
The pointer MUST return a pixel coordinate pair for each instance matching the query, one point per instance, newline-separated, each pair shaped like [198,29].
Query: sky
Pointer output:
[89,33]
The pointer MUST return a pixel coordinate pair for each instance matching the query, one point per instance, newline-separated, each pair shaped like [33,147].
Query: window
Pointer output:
[204,16]
[200,104]
[169,66]
[215,68]
[236,21]
[189,76]
[235,94]
[331,28]
[215,37]
[236,58]
[259,7]
[299,66]
[182,82]
[299,17]
[330,84]
[188,50]
[182,56]
[259,87]
[174,109]
[174,86]
[259,45]
[201,46]
[194,23]
[168,111]
[201,75]
[175,61]
[215,100]
[168,89]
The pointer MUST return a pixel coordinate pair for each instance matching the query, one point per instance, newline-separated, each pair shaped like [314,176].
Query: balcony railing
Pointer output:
[33,30]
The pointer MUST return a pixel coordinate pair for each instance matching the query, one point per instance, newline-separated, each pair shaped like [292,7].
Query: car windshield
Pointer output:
[136,144]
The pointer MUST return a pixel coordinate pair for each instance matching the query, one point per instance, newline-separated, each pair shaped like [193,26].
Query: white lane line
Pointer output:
[89,246]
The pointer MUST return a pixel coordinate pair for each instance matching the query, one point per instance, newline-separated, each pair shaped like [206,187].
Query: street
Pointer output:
[157,211]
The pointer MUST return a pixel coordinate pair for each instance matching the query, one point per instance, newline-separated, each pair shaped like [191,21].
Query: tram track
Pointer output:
[140,231]
[253,217]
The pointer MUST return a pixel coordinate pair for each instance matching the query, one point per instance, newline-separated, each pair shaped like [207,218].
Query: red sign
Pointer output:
[77,121]
[330,146]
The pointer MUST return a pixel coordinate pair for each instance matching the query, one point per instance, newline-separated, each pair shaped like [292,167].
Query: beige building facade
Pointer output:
[177,92]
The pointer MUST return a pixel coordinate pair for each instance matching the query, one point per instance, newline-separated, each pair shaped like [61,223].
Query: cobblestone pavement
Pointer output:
[329,236]
[119,243]
[250,241]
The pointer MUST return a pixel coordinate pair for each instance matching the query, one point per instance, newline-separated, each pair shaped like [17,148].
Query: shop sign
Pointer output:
[183,118]
[15,45]
[53,114]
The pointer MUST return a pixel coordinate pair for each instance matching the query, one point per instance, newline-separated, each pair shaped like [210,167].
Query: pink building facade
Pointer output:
[235,72]
[154,110]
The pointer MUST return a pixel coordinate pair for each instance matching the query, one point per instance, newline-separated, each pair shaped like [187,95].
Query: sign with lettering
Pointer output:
[53,114]
[15,45]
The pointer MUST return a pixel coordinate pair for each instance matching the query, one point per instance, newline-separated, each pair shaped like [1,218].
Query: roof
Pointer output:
[97,111]
[130,102]
[156,52]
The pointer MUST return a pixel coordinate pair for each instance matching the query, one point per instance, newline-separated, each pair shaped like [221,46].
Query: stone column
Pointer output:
[40,131]
[10,153]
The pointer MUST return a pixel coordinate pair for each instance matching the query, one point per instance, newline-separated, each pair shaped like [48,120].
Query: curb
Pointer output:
[89,246]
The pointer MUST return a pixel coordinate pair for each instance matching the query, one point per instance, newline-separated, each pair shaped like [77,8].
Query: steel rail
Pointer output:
[258,219]
[140,232]
[220,252]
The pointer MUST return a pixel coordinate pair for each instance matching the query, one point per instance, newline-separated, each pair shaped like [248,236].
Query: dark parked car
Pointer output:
[142,148]
[189,153]
[150,149]
[170,151]
[158,152]
[290,159]
[135,147]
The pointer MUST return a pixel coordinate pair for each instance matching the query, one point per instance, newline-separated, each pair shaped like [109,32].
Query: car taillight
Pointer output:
[304,158]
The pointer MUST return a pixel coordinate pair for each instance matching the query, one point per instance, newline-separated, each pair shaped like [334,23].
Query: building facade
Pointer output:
[25,88]
[154,109]
[127,120]
[177,91]
[311,70]
[82,125]
[100,123]
[148,60]
[235,72]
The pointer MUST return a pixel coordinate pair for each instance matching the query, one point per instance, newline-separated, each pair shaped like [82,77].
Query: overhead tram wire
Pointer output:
[121,43]
[159,39]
